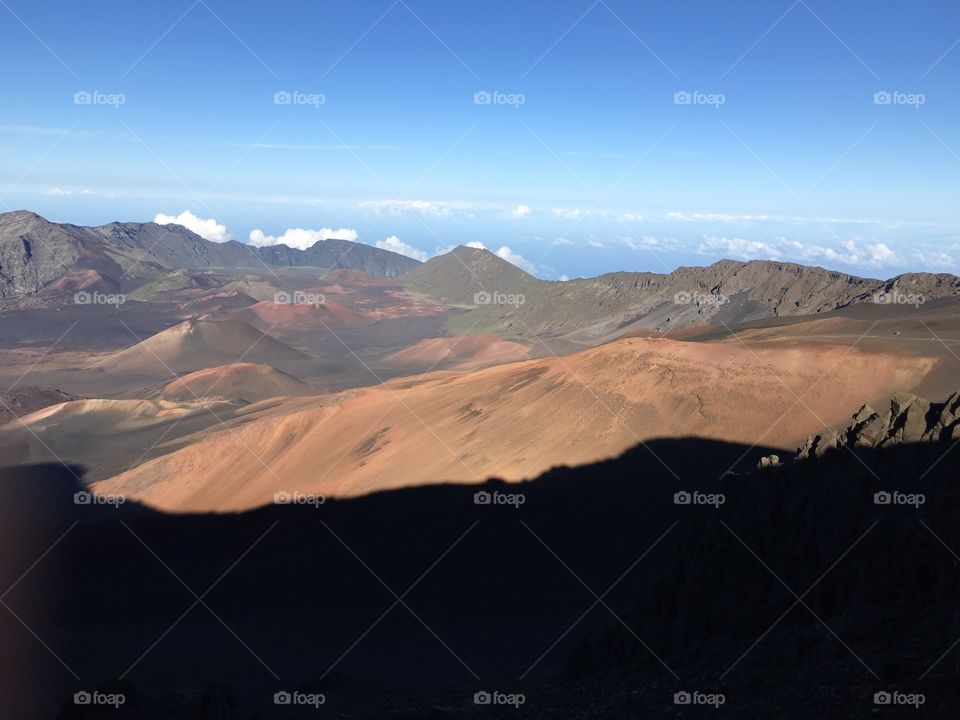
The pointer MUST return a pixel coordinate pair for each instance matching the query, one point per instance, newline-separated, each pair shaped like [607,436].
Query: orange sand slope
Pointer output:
[517,420]
[465,352]
[248,382]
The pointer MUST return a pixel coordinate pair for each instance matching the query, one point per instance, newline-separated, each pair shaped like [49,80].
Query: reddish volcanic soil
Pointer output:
[301,317]
[399,304]
[247,382]
[517,420]
[80,279]
[198,344]
[461,353]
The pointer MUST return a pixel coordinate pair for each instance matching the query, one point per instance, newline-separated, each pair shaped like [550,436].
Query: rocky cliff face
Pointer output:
[34,253]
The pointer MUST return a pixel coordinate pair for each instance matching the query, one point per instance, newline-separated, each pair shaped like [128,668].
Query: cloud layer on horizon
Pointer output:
[863,254]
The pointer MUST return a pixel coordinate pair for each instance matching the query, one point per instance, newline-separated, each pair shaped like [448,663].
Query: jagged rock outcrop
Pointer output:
[768,461]
[909,419]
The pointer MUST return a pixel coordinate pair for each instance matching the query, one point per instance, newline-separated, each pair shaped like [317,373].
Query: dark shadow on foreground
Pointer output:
[799,596]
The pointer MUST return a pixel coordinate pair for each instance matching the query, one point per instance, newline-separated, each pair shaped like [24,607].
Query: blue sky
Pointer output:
[585,160]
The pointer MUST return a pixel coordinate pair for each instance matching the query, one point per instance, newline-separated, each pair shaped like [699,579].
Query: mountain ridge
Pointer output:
[37,254]
[727,292]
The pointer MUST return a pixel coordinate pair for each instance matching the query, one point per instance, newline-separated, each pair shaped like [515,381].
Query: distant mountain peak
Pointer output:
[459,275]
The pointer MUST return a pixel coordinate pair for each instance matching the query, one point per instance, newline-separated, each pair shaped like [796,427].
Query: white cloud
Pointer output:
[880,254]
[934,259]
[521,211]
[715,217]
[209,229]
[504,253]
[61,192]
[568,213]
[850,252]
[395,244]
[301,239]
[521,262]
[646,242]
[739,248]
[595,243]
[562,241]
[857,253]
[434,208]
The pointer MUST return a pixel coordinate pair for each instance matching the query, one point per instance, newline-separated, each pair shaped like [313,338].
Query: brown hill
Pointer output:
[198,344]
[462,353]
[304,317]
[456,276]
[354,277]
[517,420]
[247,382]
